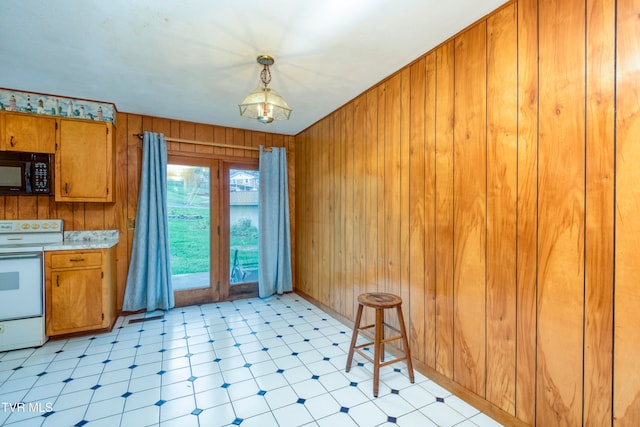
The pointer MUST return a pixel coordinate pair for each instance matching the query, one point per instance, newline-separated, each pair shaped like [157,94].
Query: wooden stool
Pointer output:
[379,301]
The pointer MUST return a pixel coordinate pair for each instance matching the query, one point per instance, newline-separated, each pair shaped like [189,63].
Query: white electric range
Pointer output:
[22,244]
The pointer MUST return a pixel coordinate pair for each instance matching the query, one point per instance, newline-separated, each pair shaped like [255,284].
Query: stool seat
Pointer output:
[379,301]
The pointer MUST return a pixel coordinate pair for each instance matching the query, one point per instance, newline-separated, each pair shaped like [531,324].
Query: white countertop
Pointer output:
[92,239]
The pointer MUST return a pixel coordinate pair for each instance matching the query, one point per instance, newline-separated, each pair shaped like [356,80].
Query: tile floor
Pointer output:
[274,362]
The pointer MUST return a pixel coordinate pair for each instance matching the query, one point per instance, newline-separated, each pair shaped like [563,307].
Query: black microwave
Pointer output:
[25,173]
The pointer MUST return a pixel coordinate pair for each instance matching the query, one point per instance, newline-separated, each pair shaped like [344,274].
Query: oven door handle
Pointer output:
[21,255]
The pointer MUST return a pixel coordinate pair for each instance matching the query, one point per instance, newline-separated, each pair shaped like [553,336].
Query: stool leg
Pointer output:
[405,342]
[354,337]
[376,350]
[382,336]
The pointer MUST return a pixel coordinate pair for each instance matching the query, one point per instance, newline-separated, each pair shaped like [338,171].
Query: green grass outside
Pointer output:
[189,238]
[189,229]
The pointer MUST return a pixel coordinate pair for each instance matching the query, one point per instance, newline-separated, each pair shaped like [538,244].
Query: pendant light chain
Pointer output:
[265,75]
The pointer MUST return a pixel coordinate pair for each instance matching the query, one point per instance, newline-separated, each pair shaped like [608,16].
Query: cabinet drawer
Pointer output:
[76,259]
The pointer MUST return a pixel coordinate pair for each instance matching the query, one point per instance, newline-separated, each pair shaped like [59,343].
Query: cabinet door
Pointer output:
[84,170]
[76,301]
[30,133]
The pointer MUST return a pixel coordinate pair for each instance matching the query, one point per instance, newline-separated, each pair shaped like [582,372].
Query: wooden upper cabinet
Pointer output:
[84,162]
[28,133]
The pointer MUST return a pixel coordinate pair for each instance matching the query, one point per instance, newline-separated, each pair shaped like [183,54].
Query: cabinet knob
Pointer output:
[11,141]
[66,187]
[58,281]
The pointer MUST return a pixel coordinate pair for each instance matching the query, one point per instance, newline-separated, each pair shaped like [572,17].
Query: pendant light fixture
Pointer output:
[264,103]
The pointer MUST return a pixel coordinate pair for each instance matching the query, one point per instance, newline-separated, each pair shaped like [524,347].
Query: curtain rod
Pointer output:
[208,144]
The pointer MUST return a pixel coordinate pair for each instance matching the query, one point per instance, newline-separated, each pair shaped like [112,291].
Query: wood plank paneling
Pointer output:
[430,211]
[325,244]
[599,238]
[64,211]
[349,263]
[78,220]
[133,125]
[43,207]
[381,229]
[416,215]
[338,220]
[218,136]
[502,113]
[27,207]
[299,276]
[313,193]
[332,226]
[317,214]
[404,262]
[373,187]
[186,131]
[392,192]
[526,250]
[626,404]
[257,139]
[287,142]
[301,249]
[11,207]
[358,181]
[444,208]
[470,209]
[561,212]
[94,216]
[304,230]
[204,133]
[116,213]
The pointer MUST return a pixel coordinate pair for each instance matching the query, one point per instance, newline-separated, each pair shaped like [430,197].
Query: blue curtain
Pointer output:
[149,279]
[274,271]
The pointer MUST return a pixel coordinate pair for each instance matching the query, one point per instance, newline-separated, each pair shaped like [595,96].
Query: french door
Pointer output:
[212,232]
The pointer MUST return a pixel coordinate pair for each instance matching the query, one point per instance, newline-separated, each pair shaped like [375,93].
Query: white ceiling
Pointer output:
[195,60]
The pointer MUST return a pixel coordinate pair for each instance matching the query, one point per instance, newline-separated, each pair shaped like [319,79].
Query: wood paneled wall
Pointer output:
[493,185]
[97,216]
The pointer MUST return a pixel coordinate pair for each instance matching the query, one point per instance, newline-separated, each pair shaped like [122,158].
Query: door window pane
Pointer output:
[244,186]
[189,200]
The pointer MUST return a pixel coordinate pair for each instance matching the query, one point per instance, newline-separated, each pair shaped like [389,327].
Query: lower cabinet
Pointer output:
[79,290]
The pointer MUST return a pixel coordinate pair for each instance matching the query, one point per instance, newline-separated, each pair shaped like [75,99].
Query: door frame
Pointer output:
[219,288]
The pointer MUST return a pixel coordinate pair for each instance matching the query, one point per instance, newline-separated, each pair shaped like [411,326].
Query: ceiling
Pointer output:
[195,60]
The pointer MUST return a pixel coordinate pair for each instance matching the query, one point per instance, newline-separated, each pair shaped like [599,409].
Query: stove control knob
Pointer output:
[45,226]
[35,226]
[25,226]
[54,225]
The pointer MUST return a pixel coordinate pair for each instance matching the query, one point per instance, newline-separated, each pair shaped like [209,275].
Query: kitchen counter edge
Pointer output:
[91,239]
